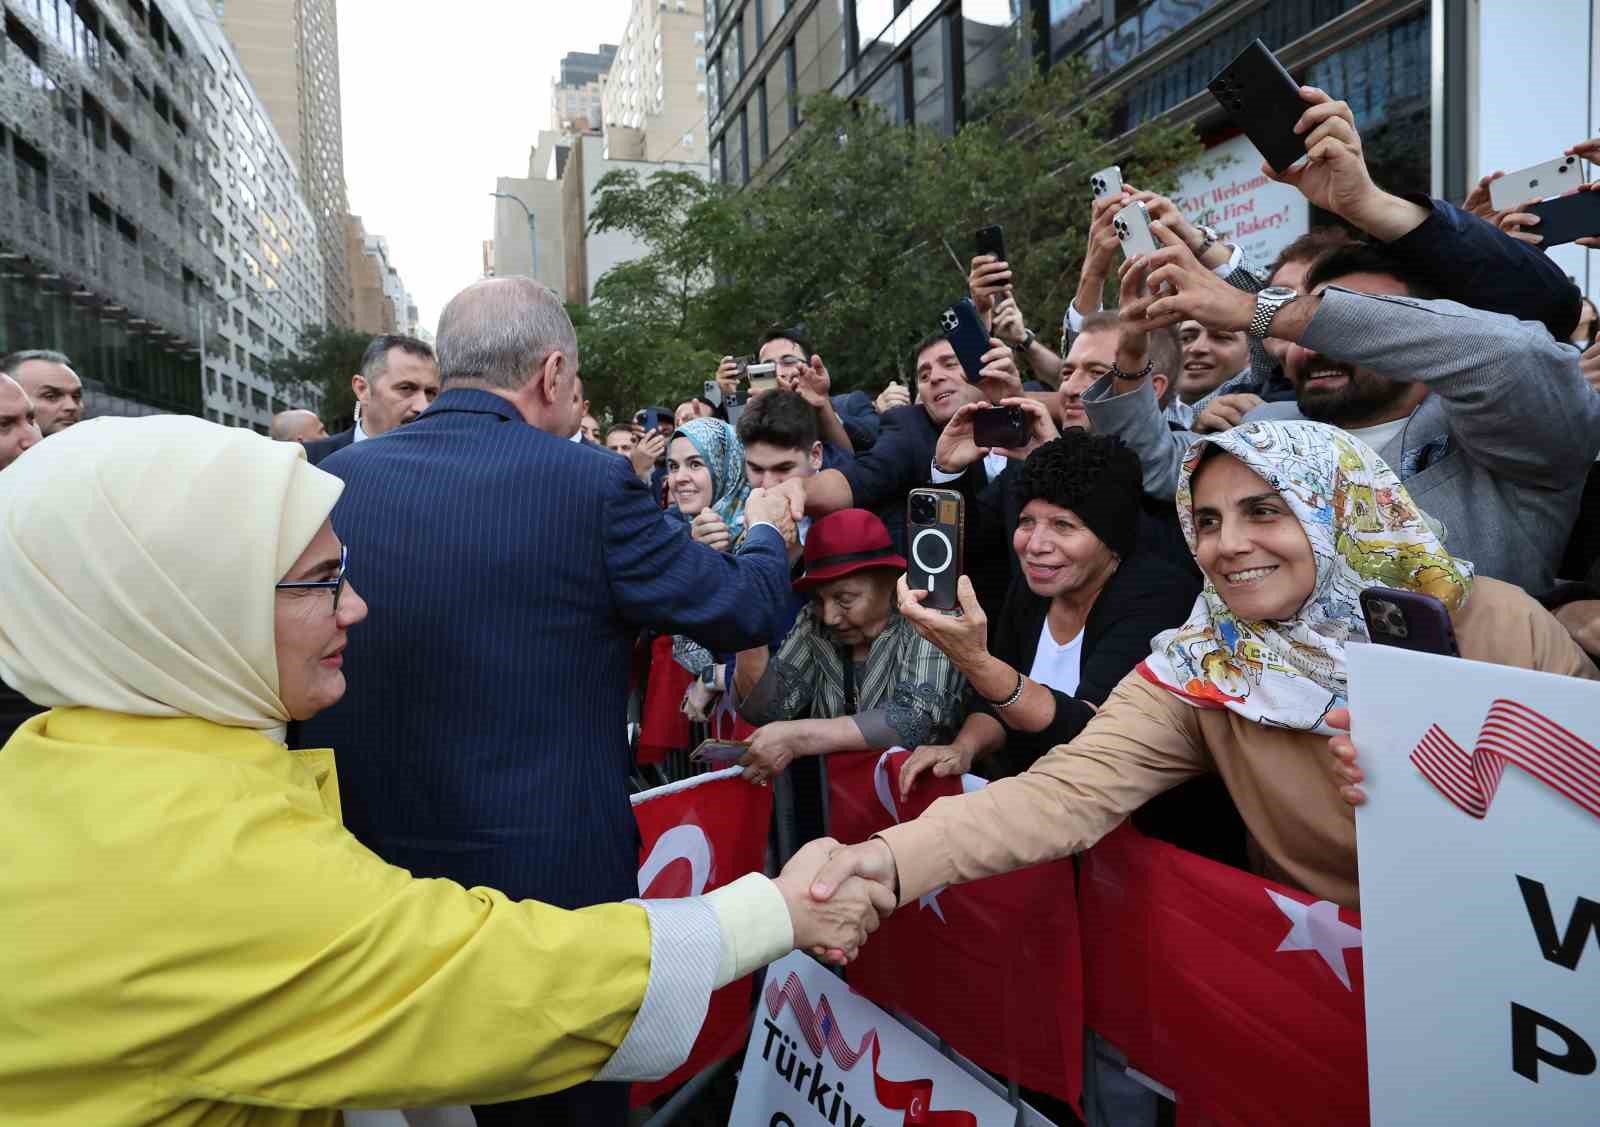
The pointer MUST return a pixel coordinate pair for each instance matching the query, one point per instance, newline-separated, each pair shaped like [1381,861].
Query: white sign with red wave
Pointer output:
[1480,889]
[1226,189]
[822,1056]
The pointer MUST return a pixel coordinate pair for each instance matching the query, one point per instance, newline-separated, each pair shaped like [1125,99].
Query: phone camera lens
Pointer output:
[923,510]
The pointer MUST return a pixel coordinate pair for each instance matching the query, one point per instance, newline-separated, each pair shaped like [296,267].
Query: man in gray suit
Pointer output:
[1486,418]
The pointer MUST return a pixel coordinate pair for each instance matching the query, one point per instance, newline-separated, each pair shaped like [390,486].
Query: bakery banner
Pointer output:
[1225,188]
[821,1055]
[1479,849]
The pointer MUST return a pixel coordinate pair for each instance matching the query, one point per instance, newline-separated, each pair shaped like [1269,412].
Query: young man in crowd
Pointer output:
[847,424]
[903,457]
[52,386]
[1485,417]
[398,380]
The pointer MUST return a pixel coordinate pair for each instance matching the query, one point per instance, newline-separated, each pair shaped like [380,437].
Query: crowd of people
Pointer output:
[1159,584]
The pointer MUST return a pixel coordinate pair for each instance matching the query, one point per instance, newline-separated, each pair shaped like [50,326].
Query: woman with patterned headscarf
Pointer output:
[706,486]
[1289,522]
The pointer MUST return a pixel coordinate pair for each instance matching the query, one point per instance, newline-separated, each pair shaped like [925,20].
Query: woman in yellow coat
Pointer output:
[191,937]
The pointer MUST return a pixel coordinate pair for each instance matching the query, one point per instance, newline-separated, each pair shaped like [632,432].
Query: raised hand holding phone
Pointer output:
[1193,292]
[1041,428]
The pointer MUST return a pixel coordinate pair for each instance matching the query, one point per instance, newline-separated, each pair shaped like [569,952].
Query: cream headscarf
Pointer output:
[137,563]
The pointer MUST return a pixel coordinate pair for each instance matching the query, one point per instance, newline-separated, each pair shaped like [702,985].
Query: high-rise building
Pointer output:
[654,96]
[290,49]
[382,303]
[149,212]
[575,96]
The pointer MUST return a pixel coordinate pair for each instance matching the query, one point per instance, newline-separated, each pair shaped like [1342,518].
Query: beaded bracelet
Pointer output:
[1016,695]
[1117,373]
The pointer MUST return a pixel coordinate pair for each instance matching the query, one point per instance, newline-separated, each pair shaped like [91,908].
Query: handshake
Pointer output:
[782,506]
[837,895]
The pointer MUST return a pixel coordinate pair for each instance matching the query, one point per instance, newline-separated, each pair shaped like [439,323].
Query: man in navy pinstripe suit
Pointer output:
[508,571]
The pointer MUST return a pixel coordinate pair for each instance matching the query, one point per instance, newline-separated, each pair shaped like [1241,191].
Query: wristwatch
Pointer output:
[1268,302]
[1028,337]
[708,676]
[1208,238]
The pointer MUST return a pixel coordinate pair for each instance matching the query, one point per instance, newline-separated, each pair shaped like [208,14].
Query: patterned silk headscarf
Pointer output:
[1365,531]
[719,445]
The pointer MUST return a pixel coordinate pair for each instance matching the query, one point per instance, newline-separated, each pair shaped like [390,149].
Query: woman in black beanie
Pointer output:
[1076,621]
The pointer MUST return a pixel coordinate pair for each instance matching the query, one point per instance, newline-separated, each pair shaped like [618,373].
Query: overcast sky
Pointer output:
[439,99]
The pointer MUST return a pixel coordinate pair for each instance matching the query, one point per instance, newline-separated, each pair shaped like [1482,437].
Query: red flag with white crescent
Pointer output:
[1242,995]
[993,967]
[695,836]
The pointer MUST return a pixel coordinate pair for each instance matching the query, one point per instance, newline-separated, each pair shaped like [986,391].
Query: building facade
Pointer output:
[141,193]
[290,50]
[575,97]
[654,96]
[1441,88]
[267,270]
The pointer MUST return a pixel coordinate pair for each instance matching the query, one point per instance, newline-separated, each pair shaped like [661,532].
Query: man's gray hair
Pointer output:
[499,332]
[15,360]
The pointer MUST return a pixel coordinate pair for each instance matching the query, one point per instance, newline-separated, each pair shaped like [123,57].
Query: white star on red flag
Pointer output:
[1317,927]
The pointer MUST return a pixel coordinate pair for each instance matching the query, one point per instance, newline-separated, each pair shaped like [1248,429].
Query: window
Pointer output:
[777,101]
[738,157]
[927,79]
[33,175]
[771,15]
[713,90]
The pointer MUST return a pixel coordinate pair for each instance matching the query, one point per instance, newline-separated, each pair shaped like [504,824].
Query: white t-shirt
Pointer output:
[1381,435]
[1057,666]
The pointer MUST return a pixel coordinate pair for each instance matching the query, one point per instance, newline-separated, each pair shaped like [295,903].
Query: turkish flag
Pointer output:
[993,967]
[663,726]
[1241,995]
[694,836]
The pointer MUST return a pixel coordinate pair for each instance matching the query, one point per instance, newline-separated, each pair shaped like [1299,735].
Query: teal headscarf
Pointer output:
[719,445]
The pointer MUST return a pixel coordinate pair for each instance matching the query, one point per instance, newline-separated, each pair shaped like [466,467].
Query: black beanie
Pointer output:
[1094,475]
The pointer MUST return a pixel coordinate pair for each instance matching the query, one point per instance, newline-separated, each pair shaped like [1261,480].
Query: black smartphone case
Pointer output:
[937,546]
[991,240]
[1263,100]
[963,328]
[1000,426]
[1566,218]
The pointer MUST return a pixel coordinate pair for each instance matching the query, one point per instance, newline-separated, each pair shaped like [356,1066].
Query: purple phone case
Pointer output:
[1426,620]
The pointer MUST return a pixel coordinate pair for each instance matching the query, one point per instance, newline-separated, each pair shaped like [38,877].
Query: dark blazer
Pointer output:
[508,573]
[902,460]
[319,448]
[859,414]
[1144,596]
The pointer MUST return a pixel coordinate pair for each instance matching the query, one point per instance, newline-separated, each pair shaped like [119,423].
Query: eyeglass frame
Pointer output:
[337,584]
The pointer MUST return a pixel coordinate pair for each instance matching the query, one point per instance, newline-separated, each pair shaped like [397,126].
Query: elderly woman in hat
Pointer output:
[191,934]
[852,674]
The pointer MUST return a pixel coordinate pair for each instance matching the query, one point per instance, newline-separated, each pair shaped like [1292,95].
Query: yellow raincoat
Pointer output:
[192,937]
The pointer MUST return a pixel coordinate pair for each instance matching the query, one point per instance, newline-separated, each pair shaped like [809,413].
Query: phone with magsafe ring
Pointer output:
[935,524]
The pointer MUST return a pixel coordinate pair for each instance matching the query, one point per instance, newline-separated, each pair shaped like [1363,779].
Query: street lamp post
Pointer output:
[533,240]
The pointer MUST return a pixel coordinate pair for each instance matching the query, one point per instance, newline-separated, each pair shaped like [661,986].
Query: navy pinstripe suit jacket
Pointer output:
[482,735]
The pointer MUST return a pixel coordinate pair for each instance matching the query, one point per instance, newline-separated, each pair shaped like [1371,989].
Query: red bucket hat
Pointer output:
[844,542]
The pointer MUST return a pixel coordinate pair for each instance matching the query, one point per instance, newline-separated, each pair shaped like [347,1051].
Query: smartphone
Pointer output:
[720,751]
[1106,182]
[653,418]
[1263,101]
[712,393]
[963,328]
[992,240]
[1409,620]
[1132,225]
[1539,182]
[762,377]
[1566,218]
[1007,427]
[936,524]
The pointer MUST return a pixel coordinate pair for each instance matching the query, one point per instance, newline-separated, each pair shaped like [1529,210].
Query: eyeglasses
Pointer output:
[336,584]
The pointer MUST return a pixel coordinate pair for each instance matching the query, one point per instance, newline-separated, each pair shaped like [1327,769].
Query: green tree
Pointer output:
[852,237]
[326,359]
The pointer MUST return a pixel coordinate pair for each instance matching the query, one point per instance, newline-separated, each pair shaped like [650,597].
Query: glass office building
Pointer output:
[923,61]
